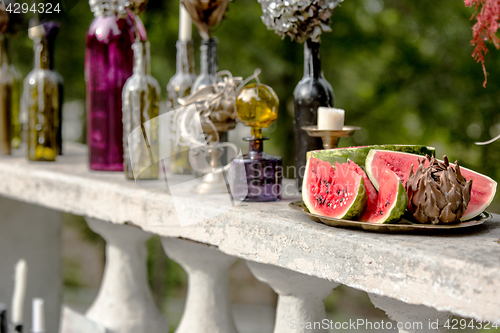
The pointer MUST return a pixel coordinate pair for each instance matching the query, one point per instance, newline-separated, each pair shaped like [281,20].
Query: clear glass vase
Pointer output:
[141,107]
[180,86]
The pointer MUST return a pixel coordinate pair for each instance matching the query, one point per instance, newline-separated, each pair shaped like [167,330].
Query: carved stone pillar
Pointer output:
[125,303]
[208,307]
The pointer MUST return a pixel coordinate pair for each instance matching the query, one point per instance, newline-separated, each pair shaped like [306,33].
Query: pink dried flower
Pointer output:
[487,15]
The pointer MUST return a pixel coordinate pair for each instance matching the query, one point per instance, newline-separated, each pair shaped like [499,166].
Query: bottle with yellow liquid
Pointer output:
[257,106]
[40,102]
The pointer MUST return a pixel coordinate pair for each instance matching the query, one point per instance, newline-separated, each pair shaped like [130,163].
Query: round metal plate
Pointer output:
[403,226]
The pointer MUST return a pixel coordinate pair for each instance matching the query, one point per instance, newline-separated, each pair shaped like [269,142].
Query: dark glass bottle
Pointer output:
[109,62]
[41,102]
[209,64]
[311,92]
[6,85]
[180,86]
[51,30]
[4,323]
[141,105]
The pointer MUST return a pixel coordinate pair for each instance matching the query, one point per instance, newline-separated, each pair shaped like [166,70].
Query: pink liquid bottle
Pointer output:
[109,62]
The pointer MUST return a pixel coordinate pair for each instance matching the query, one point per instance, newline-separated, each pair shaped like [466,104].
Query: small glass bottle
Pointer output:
[6,86]
[51,30]
[41,102]
[257,106]
[208,64]
[109,62]
[311,92]
[141,105]
[178,87]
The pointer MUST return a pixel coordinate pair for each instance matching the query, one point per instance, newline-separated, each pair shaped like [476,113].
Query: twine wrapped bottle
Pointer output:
[141,105]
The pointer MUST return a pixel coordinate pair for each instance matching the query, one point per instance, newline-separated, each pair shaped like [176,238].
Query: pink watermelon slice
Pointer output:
[337,193]
[483,187]
[389,204]
[371,192]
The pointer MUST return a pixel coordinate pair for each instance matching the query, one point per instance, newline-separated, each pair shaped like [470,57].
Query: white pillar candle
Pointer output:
[330,118]
[38,324]
[185,24]
[21,271]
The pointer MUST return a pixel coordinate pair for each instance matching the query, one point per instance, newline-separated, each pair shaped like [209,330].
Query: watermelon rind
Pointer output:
[354,211]
[397,209]
[359,204]
[469,213]
[358,154]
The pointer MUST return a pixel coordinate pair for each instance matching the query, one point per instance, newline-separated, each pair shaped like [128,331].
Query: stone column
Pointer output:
[125,303]
[208,307]
[412,318]
[301,297]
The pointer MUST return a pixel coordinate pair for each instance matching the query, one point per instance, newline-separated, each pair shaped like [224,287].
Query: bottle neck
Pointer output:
[141,57]
[185,57]
[312,60]
[209,56]
[42,60]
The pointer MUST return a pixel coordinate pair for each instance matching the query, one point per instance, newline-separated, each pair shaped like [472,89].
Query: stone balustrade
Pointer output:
[413,278]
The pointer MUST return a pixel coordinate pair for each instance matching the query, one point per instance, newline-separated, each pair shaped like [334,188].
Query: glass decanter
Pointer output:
[257,106]
[311,92]
[40,102]
[141,104]
[109,62]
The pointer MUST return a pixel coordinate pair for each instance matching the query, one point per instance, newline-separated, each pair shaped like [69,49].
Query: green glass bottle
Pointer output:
[6,84]
[41,102]
[141,108]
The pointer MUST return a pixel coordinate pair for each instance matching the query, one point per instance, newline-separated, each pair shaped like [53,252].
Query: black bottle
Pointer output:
[310,93]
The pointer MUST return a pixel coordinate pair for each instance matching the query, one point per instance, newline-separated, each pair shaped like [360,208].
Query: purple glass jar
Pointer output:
[109,62]
[263,174]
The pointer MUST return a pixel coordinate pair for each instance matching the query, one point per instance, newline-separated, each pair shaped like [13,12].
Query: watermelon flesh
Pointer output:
[371,192]
[483,187]
[337,193]
[391,201]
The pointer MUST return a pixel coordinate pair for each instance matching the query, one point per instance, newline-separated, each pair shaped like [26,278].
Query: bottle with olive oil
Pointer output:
[41,101]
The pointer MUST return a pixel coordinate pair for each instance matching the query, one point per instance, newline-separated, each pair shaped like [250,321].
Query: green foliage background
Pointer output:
[401,69]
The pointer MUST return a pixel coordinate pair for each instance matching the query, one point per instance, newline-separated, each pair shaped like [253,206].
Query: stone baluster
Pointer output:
[301,297]
[125,303]
[412,318]
[208,307]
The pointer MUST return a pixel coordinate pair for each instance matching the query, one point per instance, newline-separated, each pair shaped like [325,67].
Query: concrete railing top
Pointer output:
[457,271]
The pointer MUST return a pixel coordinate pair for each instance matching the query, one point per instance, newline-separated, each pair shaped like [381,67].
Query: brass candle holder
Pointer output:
[330,137]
